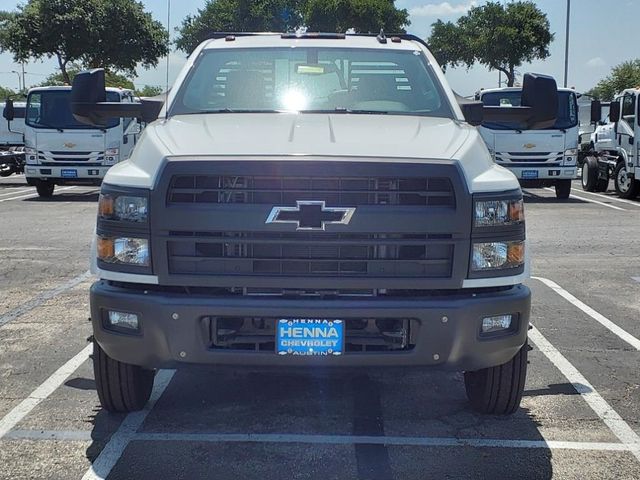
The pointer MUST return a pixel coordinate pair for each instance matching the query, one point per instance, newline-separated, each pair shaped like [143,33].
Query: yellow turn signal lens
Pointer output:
[105,248]
[515,253]
[105,206]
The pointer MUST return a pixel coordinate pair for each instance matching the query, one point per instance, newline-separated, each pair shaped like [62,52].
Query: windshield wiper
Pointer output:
[44,125]
[234,110]
[347,110]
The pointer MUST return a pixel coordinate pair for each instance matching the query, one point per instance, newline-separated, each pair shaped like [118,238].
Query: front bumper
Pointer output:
[544,172]
[172,333]
[83,174]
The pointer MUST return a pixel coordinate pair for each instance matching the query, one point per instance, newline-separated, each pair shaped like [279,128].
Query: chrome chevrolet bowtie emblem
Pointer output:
[69,145]
[311,215]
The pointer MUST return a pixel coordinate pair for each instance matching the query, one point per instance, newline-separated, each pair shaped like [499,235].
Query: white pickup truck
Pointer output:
[314,201]
[539,158]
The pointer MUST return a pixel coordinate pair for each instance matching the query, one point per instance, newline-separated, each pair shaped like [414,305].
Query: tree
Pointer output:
[115,34]
[361,15]
[289,15]
[501,37]
[238,16]
[622,76]
[110,79]
[149,91]
[7,93]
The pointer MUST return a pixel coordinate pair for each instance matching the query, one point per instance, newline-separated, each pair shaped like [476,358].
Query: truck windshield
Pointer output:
[567,109]
[52,109]
[341,80]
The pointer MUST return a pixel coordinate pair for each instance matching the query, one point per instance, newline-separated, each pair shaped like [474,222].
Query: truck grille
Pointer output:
[257,253]
[335,191]
[409,229]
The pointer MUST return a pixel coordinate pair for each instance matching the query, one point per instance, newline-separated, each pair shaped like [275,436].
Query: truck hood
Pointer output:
[311,134]
[70,141]
[527,142]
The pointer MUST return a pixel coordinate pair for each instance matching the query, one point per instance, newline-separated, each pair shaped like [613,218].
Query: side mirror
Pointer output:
[539,104]
[88,103]
[614,111]
[9,112]
[596,111]
[540,94]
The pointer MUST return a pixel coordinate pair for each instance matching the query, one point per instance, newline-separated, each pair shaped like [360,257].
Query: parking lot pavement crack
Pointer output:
[42,298]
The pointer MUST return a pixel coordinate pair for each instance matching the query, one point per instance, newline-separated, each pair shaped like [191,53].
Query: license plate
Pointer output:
[308,336]
[529,174]
[69,173]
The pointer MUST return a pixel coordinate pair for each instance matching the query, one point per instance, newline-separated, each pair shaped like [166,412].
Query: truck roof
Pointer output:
[270,40]
[68,88]
[518,89]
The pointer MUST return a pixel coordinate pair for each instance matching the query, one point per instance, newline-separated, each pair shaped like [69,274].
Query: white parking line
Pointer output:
[42,297]
[16,193]
[114,449]
[598,317]
[593,201]
[599,405]
[33,194]
[58,377]
[615,199]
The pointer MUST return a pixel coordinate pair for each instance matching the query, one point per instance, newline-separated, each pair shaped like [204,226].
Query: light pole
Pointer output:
[566,46]
[19,81]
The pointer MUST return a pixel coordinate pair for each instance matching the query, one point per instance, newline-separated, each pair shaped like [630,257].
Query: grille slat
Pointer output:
[206,189]
[322,254]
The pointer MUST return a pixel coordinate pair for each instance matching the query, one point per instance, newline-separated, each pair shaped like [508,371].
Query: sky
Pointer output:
[594,47]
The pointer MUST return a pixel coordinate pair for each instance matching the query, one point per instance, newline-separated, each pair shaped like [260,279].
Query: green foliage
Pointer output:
[6,93]
[625,75]
[149,91]
[500,37]
[288,15]
[110,79]
[5,18]
[237,16]
[364,16]
[116,34]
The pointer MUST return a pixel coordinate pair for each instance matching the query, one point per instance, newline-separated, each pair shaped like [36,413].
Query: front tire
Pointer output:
[45,189]
[625,187]
[563,189]
[122,388]
[498,390]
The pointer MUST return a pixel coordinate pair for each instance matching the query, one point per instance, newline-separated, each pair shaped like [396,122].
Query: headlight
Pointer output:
[497,255]
[124,250]
[494,213]
[112,151]
[29,150]
[126,208]
[571,155]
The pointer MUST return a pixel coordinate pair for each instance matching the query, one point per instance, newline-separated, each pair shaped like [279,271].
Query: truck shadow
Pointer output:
[530,197]
[265,424]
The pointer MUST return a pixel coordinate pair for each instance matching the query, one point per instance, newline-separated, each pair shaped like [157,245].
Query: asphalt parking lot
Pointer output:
[579,418]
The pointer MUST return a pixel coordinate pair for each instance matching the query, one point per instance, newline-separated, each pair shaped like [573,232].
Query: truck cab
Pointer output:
[617,155]
[12,132]
[538,158]
[62,151]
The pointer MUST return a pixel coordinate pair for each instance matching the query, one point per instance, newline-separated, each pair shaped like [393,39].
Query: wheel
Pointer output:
[498,390]
[45,189]
[589,174]
[625,187]
[121,387]
[5,170]
[563,189]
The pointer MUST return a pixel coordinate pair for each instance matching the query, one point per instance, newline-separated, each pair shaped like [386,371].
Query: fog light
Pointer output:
[495,324]
[122,321]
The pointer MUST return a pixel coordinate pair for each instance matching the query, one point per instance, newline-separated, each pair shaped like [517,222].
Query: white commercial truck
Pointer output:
[62,151]
[312,201]
[12,132]
[539,158]
[616,153]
